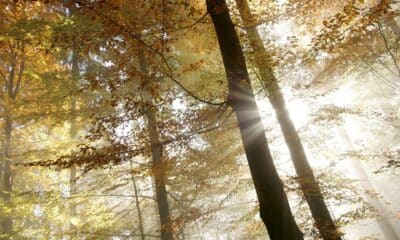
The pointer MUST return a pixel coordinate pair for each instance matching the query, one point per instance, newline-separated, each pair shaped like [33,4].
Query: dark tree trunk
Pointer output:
[307,181]
[274,206]
[156,151]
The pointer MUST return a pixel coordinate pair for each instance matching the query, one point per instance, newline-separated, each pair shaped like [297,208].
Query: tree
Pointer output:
[274,206]
[73,129]
[106,136]
[18,78]
[306,179]
[156,154]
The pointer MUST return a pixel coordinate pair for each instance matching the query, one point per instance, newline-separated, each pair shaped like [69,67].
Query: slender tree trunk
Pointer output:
[72,170]
[6,221]
[11,91]
[73,133]
[369,191]
[156,151]
[137,204]
[274,206]
[307,181]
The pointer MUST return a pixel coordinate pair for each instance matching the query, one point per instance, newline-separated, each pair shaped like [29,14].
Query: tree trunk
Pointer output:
[274,206]
[75,76]
[156,151]
[307,181]
[137,203]
[369,191]
[6,220]
[73,133]
[6,188]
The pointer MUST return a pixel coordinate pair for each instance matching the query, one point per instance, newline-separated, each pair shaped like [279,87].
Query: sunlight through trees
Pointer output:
[189,119]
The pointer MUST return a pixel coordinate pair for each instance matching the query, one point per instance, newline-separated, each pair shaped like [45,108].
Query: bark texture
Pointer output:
[307,181]
[274,206]
[156,151]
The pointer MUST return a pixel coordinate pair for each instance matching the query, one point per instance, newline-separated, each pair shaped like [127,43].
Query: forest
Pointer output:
[200,119]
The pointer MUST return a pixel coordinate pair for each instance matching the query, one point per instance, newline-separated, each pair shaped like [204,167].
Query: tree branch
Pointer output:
[155,51]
